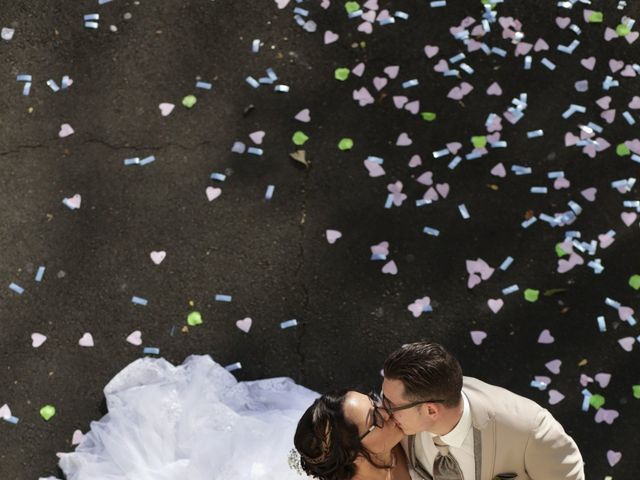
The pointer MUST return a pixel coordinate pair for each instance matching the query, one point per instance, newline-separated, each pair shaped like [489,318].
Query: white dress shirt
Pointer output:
[460,441]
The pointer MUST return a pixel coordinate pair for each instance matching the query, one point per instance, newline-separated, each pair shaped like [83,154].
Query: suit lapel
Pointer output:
[484,426]
[413,461]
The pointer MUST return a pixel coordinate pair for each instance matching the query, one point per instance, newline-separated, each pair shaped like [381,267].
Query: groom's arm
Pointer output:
[551,454]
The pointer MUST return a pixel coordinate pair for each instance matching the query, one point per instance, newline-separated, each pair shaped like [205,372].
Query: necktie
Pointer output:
[445,466]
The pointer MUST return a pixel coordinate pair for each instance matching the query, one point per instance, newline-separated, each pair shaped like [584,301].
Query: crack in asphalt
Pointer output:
[19,148]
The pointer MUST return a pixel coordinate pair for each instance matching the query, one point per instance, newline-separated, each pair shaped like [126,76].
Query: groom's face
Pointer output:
[410,420]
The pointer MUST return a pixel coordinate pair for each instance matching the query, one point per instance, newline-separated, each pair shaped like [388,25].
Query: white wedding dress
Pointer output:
[190,422]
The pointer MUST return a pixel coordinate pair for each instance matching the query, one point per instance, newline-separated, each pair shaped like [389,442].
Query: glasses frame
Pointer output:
[391,410]
[376,416]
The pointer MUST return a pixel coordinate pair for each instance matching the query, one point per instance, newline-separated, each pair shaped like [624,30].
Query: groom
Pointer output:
[460,428]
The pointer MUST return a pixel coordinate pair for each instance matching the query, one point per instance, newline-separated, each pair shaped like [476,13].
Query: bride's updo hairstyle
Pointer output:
[328,443]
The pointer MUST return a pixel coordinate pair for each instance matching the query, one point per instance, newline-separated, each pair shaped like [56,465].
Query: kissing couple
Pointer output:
[430,422]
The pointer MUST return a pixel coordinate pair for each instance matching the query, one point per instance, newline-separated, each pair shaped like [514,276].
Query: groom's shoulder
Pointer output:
[498,398]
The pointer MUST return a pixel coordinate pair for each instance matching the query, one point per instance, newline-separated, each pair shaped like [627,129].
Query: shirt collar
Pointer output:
[456,437]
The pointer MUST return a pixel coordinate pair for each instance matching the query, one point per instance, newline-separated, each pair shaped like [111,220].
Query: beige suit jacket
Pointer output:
[514,435]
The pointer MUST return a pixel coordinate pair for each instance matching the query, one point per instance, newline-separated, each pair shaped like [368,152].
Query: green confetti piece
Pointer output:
[623,30]
[428,116]
[531,295]
[596,401]
[622,150]
[194,319]
[636,391]
[345,144]
[634,281]
[189,101]
[559,251]
[351,7]
[596,17]
[479,141]
[47,412]
[299,138]
[342,74]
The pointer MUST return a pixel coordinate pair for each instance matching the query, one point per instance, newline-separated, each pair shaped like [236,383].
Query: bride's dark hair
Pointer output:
[328,443]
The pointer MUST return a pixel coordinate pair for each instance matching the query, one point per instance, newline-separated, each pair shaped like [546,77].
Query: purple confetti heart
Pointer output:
[604,415]
[363,96]
[628,71]
[499,171]
[628,218]
[413,107]
[495,304]
[589,193]
[627,343]
[443,189]
[400,100]
[390,268]
[441,66]
[563,22]
[473,280]
[588,63]
[555,397]
[431,51]
[494,89]
[603,379]
[585,380]
[358,70]
[624,313]
[415,161]
[477,336]
[392,71]
[635,103]
[330,37]
[540,45]
[375,169]
[545,337]
[379,83]
[426,178]
[365,27]
[604,102]
[632,37]
[613,457]
[615,65]
[605,240]
[303,116]
[381,248]
[610,34]
[554,366]
[608,115]
[403,140]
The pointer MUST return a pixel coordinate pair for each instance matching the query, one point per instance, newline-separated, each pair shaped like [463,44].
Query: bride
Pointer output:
[196,422]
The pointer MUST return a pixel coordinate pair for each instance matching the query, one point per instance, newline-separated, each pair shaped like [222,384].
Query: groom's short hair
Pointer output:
[427,371]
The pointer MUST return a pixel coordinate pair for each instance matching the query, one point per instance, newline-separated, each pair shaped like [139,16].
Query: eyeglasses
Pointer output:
[390,410]
[377,419]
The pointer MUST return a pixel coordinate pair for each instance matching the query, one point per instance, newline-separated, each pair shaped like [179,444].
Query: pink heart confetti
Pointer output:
[455,93]
[430,195]
[418,306]
[555,397]
[426,178]
[494,89]
[632,37]
[363,96]
[554,366]
[332,236]
[441,66]
[625,313]
[358,70]
[628,218]
[495,304]
[135,338]
[371,5]
[303,116]
[443,189]
[431,51]
[166,108]
[415,161]
[413,107]
[477,336]
[158,257]
[466,88]
[330,37]
[390,268]
[604,102]
[540,45]
[392,71]
[585,380]
[256,137]
[605,240]
[65,130]
[608,115]
[37,339]
[570,139]
[589,193]
[561,182]
[77,437]
[607,416]
[365,27]
[244,324]
[86,340]
[375,169]
[403,140]
[73,202]
[545,337]
[522,48]
[613,457]
[498,170]
[563,22]
[213,193]
[473,280]
[615,65]
[453,147]
[628,71]
[627,343]
[603,379]
[635,103]
[399,100]
[282,3]
[610,34]
[5,411]
[589,63]
[380,249]
[379,82]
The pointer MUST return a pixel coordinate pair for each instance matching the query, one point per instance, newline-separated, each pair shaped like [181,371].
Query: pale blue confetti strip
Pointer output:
[16,288]
[222,298]
[139,301]
[506,263]
[602,326]
[462,208]
[269,193]
[221,177]
[151,350]
[233,366]
[511,289]
[204,85]
[289,324]
[434,232]
[147,160]
[40,273]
